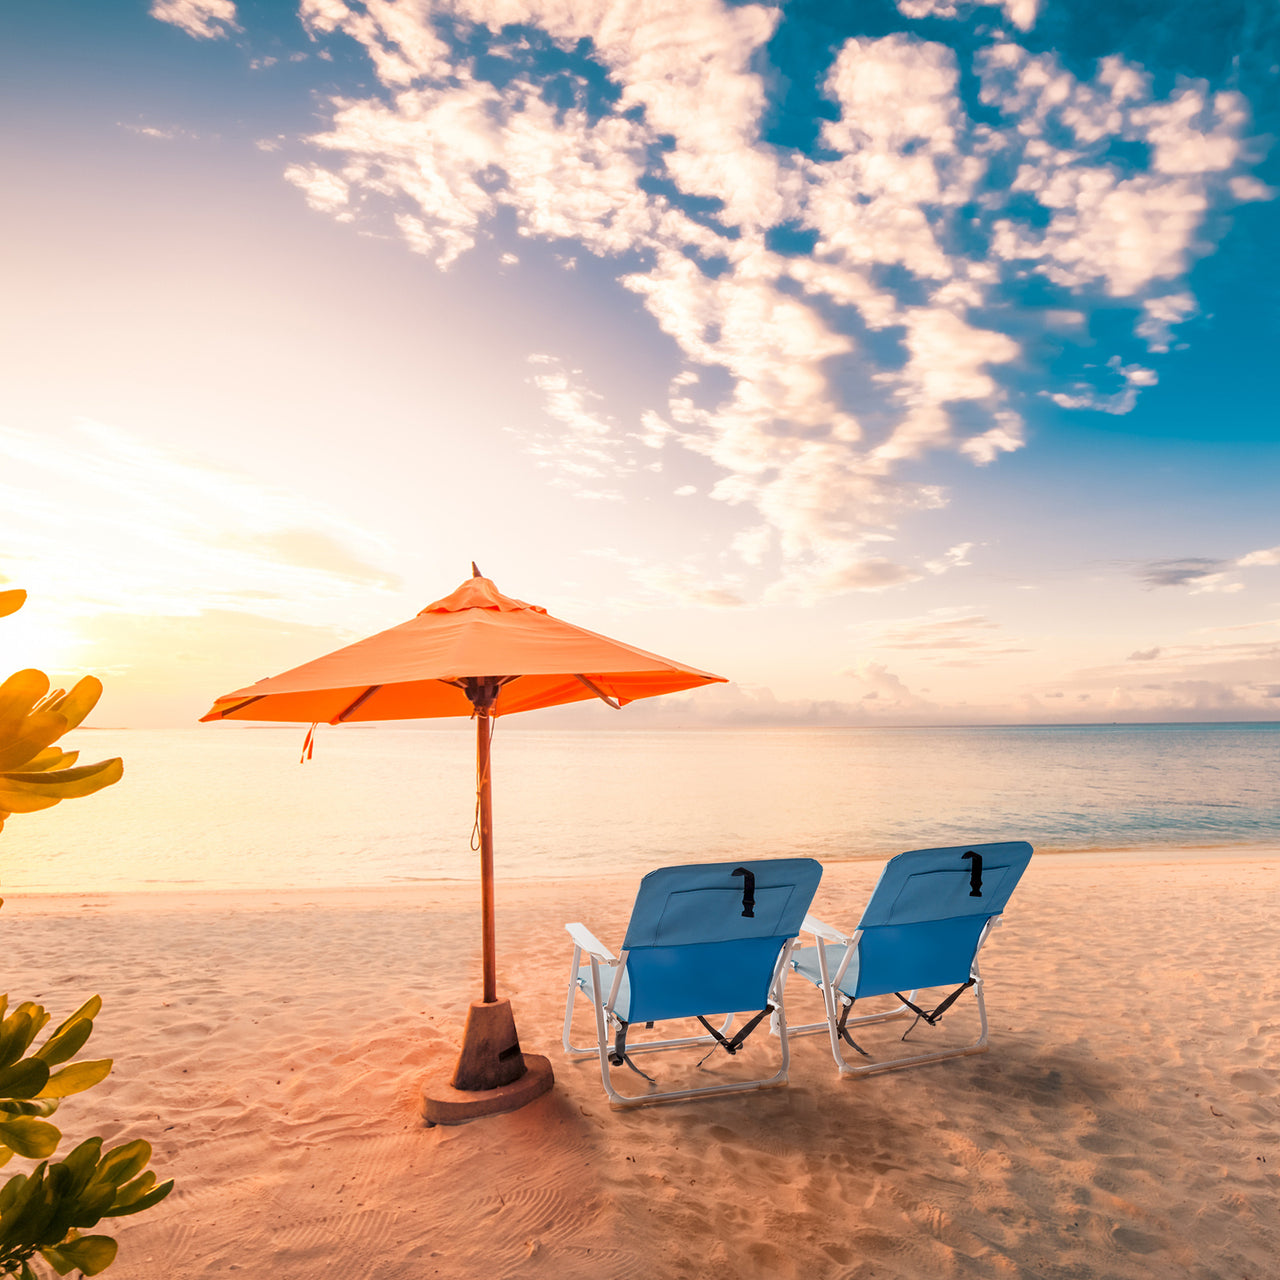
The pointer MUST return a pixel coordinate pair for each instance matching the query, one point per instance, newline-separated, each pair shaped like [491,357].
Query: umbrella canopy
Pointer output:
[473,653]
[420,669]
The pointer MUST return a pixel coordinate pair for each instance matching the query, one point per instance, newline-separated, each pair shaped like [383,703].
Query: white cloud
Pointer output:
[326,192]
[167,134]
[894,188]
[1022,13]
[1118,402]
[586,447]
[1270,556]
[1160,314]
[204,19]
[956,557]
[179,537]
[885,689]
[897,137]
[947,637]
[688,585]
[1245,187]
[1128,234]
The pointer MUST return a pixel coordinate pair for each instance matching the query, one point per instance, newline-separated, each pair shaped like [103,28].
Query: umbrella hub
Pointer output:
[482,691]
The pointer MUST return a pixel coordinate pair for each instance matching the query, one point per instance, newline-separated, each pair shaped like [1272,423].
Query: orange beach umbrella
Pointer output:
[475,653]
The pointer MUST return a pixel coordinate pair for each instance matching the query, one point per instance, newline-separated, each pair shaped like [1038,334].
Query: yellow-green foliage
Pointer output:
[44,1212]
[34,774]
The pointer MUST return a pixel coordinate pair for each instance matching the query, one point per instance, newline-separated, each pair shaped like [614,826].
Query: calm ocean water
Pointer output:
[224,806]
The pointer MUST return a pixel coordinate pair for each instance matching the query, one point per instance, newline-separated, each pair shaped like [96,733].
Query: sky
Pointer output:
[903,362]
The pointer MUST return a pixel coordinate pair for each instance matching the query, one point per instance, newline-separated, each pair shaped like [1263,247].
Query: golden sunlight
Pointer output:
[48,642]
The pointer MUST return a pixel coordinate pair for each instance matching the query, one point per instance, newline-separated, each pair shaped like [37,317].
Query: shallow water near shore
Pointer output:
[231,807]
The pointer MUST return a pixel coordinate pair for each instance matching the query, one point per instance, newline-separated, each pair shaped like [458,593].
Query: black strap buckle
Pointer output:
[975,874]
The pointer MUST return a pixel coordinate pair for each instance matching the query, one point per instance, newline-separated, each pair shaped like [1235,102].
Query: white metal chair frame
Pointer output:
[586,943]
[835,1001]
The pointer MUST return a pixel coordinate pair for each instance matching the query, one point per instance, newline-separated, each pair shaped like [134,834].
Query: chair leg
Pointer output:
[979,1045]
[623,1101]
[574,1050]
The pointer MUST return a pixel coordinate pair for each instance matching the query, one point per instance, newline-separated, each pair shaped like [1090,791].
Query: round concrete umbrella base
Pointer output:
[443,1104]
[492,1075]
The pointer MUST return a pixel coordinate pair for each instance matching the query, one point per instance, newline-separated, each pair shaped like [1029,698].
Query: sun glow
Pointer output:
[29,640]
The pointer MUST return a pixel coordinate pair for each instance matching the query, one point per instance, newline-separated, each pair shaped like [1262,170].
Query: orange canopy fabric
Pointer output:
[405,673]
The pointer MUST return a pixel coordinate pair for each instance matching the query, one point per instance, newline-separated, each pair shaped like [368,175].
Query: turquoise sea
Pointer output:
[231,807]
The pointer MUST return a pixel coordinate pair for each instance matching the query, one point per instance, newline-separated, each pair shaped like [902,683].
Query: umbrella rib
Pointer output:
[600,693]
[368,693]
[240,706]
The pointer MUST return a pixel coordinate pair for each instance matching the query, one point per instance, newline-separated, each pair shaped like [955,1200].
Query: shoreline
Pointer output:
[422,892]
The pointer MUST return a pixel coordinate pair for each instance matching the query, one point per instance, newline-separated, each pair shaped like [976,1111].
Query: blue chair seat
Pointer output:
[927,918]
[704,941]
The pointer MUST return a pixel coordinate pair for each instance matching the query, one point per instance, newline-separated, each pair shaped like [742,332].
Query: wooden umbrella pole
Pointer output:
[488,934]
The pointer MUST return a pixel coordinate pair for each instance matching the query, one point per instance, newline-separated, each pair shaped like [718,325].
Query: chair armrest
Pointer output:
[819,930]
[584,938]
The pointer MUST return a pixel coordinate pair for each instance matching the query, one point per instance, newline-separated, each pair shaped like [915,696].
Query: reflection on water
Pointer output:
[231,807]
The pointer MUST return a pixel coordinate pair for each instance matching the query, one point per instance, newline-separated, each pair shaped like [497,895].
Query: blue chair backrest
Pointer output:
[923,923]
[691,950]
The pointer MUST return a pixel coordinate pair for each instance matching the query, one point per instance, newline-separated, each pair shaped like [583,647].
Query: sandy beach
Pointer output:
[1125,1123]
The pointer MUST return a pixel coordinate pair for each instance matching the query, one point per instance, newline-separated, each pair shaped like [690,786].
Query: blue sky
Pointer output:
[903,362]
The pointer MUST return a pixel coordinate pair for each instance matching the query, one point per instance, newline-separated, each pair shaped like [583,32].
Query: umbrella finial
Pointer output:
[475,573]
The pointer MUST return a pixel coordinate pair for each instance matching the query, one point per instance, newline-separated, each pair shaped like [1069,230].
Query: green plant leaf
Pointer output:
[50,758]
[82,699]
[81,1164]
[137,1205]
[123,1163]
[32,734]
[30,1137]
[17,1032]
[23,801]
[90,1254]
[24,1079]
[10,1190]
[18,695]
[18,1195]
[65,784]
[32,1107]
[76,1078]
[90,1009]
[66,1042]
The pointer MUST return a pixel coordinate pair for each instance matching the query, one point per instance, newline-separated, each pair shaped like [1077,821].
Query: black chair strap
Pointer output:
[932,1017]
[620,1057]
[748,890]
[731,1046]
[844,1034]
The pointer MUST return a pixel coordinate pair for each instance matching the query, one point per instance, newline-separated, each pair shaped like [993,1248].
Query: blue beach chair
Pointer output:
[927,919]
[708,942]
